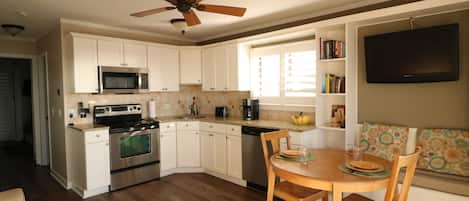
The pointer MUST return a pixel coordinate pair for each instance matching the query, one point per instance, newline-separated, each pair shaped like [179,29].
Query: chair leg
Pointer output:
[325,197]
[270,185]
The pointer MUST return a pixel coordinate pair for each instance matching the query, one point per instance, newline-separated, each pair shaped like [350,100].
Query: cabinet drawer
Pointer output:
[233,130]
[167,127]
[187,126]
[96,136]
[213,127]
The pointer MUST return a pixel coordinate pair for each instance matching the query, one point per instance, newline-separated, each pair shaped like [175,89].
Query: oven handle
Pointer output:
[134,133]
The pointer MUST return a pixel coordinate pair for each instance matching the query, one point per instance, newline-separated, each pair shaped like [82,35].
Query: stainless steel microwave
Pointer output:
[122,80]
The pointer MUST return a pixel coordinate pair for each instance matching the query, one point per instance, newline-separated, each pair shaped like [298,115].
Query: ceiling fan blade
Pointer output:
[191,18]
[174,2]
[227,10]
[152,11]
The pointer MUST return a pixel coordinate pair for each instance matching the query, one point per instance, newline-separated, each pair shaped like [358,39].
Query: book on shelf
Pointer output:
[338,116]
[332,83]
[331,49]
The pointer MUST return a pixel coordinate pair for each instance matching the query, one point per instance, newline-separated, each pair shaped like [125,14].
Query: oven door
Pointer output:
[134,148]
[122,80]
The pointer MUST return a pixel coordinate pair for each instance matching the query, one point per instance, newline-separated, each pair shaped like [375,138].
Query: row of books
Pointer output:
[332,83]
[331,49]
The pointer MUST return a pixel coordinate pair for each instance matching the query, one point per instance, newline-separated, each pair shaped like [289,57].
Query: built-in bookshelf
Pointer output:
[332,89]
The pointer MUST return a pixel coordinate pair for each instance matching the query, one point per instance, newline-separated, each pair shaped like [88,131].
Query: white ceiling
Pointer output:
[43,15]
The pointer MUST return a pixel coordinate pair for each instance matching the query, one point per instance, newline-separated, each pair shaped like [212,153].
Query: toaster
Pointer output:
[221,111]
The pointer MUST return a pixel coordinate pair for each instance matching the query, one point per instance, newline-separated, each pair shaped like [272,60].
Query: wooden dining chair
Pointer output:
[284,189]
[392,192]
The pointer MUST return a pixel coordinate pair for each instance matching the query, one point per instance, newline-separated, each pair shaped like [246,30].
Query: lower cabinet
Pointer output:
[90,170]
[234,157]
[220,153]
[168,144]
[207,150]
[188,148]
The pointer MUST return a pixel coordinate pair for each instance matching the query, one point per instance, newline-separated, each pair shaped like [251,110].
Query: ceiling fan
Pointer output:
[185,7]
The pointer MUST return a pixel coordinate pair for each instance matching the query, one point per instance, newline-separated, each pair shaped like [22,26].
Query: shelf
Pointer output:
[333,94]
[331,128]
[332,60]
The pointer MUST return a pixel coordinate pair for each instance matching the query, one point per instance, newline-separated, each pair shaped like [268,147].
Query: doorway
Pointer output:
[16,123]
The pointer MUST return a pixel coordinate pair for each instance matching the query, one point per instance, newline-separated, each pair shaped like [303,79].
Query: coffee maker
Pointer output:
[250,109]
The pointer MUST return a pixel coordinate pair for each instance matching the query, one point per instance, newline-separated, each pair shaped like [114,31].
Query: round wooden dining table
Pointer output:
[323,173]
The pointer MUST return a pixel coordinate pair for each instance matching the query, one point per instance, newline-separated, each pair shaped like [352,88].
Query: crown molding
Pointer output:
[125,30]
[18,38]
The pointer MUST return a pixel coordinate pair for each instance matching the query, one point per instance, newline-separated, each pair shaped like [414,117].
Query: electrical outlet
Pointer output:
[71,113]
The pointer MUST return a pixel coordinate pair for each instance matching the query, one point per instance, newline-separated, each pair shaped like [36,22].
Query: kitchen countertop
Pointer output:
[89,127]
[238,121]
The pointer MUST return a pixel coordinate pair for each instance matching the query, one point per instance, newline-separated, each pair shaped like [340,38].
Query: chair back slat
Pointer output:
[410,163]
[273,138]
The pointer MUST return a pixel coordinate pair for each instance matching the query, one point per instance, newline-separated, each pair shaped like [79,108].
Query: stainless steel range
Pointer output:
[134,144]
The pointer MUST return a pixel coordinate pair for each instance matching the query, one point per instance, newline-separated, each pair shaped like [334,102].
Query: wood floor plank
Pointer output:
[38,185]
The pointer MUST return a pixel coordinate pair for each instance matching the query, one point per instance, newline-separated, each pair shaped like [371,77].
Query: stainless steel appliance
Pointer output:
[221,111]
[134,144]
[254,170]
[250,109]
[122,80]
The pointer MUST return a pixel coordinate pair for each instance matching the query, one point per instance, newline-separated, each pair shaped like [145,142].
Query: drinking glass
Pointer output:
[353,153]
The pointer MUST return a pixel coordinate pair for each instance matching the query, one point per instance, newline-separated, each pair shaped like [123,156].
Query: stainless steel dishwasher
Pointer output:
[254,171]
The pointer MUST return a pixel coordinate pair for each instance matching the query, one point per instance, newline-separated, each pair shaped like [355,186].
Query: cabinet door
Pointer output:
[85,65]
[208,69]
[221,65]
[135,55]
[110,53]
[232,67]
[207,150]
[98,171]
[168,151]
[188,149]
[191,66]
[220,153]
[235,167]
[163,69]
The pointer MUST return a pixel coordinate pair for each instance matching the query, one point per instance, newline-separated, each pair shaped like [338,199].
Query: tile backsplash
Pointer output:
[174,103]
[168,103]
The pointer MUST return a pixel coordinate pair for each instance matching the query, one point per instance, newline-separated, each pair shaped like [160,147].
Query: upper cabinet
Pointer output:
[85,65]
[190,61]
[163,68]
[122,53]
[225,68]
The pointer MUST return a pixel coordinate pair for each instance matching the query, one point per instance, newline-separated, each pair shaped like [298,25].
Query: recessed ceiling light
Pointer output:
[22,13]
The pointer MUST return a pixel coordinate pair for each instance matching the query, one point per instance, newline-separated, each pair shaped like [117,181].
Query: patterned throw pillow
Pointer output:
[381,140]
[445,151]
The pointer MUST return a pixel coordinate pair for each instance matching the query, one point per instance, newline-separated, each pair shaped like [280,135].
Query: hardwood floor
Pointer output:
[18,170]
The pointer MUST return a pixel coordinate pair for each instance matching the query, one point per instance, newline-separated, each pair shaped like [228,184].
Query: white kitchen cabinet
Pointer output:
[163,69]
[234,157]
[190,61]
[168,150]
[208,69]
[232,68]
[85,65]
[90,165]
[121,53]
[220,153]
[188,148]
[135,54]
[110,53]
[207,150]
[221,68]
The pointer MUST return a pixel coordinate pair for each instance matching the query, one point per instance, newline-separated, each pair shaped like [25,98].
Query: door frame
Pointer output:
[40,135]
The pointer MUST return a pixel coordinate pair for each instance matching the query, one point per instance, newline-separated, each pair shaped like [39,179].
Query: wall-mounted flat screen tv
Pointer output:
[419,55]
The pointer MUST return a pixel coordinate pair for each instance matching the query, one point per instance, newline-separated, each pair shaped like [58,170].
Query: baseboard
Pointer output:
[237,181]
[90,193]
[61,180]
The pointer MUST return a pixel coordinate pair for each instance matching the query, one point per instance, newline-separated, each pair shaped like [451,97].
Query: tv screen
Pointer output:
[419,55]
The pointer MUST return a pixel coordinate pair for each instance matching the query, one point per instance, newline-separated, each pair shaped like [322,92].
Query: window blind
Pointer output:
[300,74]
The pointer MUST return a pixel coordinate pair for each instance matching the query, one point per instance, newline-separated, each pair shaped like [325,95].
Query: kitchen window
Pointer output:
[284,76]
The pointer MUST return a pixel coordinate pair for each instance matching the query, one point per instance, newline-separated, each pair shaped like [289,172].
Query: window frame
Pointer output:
[283,102]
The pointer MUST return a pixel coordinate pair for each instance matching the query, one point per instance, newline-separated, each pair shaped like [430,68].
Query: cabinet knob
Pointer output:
[210,135]
[232,129]
[97,135]
[210,126]
[212,88]
[107,144]
[187,125]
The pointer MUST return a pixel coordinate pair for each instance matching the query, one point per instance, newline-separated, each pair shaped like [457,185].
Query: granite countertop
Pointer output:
[238,121]
[89,127]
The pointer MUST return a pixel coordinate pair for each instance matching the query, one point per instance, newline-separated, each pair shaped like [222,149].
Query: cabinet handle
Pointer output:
[187,125]
[97,135]
[210,126]
[167,126]
[198,81]
[210,135]
[212,88]
[232,129]
[107,144]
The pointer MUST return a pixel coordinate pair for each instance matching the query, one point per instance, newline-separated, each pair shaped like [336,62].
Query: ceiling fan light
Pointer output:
[180,25]
[12,29]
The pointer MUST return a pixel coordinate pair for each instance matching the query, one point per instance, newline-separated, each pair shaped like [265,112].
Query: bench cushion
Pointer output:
[381,140]
[445,151]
